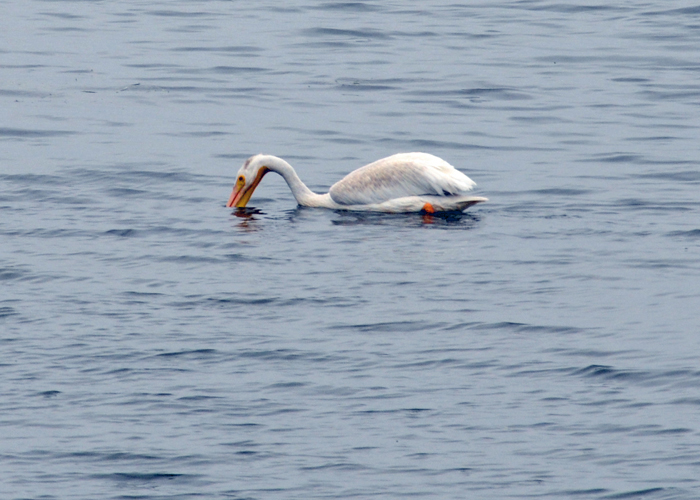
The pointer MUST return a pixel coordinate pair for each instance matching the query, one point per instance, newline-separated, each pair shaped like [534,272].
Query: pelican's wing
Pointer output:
[398,176]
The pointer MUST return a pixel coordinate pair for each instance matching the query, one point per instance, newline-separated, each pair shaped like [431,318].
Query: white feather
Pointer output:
[399,176]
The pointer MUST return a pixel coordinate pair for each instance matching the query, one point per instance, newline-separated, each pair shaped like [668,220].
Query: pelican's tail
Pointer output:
[459,203]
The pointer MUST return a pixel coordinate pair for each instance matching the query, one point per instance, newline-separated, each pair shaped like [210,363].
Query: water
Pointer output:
[155,345]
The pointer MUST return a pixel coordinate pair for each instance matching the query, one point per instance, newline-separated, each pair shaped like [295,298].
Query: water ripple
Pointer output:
[158,345]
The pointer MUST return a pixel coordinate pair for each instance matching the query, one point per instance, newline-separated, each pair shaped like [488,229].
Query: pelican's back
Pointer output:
[400,175]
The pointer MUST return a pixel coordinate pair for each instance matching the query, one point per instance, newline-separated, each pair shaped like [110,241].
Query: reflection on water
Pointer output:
[247,214]
[447,220]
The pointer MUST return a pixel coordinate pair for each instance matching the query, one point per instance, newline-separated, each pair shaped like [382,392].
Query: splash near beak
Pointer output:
[240,195]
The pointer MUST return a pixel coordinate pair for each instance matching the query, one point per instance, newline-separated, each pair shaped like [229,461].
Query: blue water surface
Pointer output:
[157,345]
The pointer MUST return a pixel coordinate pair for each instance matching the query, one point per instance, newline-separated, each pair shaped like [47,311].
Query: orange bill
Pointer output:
[240,195]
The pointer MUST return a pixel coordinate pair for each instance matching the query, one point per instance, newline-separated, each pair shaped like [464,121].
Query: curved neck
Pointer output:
[303,194]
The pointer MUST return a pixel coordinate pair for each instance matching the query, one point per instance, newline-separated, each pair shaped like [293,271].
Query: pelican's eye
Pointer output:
[241,179]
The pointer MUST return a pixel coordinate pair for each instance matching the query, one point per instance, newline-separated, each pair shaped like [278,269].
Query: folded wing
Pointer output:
[400,175]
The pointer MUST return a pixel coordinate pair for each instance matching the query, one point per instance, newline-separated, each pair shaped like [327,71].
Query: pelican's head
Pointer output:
[249,176]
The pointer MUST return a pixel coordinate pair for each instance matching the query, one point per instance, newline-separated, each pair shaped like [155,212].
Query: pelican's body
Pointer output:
[405,182]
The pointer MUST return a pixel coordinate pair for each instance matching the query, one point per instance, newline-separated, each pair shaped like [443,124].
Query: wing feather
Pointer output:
[398,176]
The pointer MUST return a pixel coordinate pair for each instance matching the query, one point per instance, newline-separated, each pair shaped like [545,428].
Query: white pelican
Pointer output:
[404,182]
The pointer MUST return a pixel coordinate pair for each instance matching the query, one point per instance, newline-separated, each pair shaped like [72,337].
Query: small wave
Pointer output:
[7,311]
[561,191]
[236,70]
[674,12]
[526,328]
[286,385]
[111,456]
[127,192]
[49,394]
[634,494]
[348,7]
[693,234]
[146,477]
[198,397]
[639,204]
[363,86]
[122,233]
[234,49]
[643,377]
[32,180]
[347,33]
[335,465]
[564,8]
[616,158]
[391,326]
[196,353]
[11,273]
[177,13]
[286,355]
[32,133]
[679,176]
